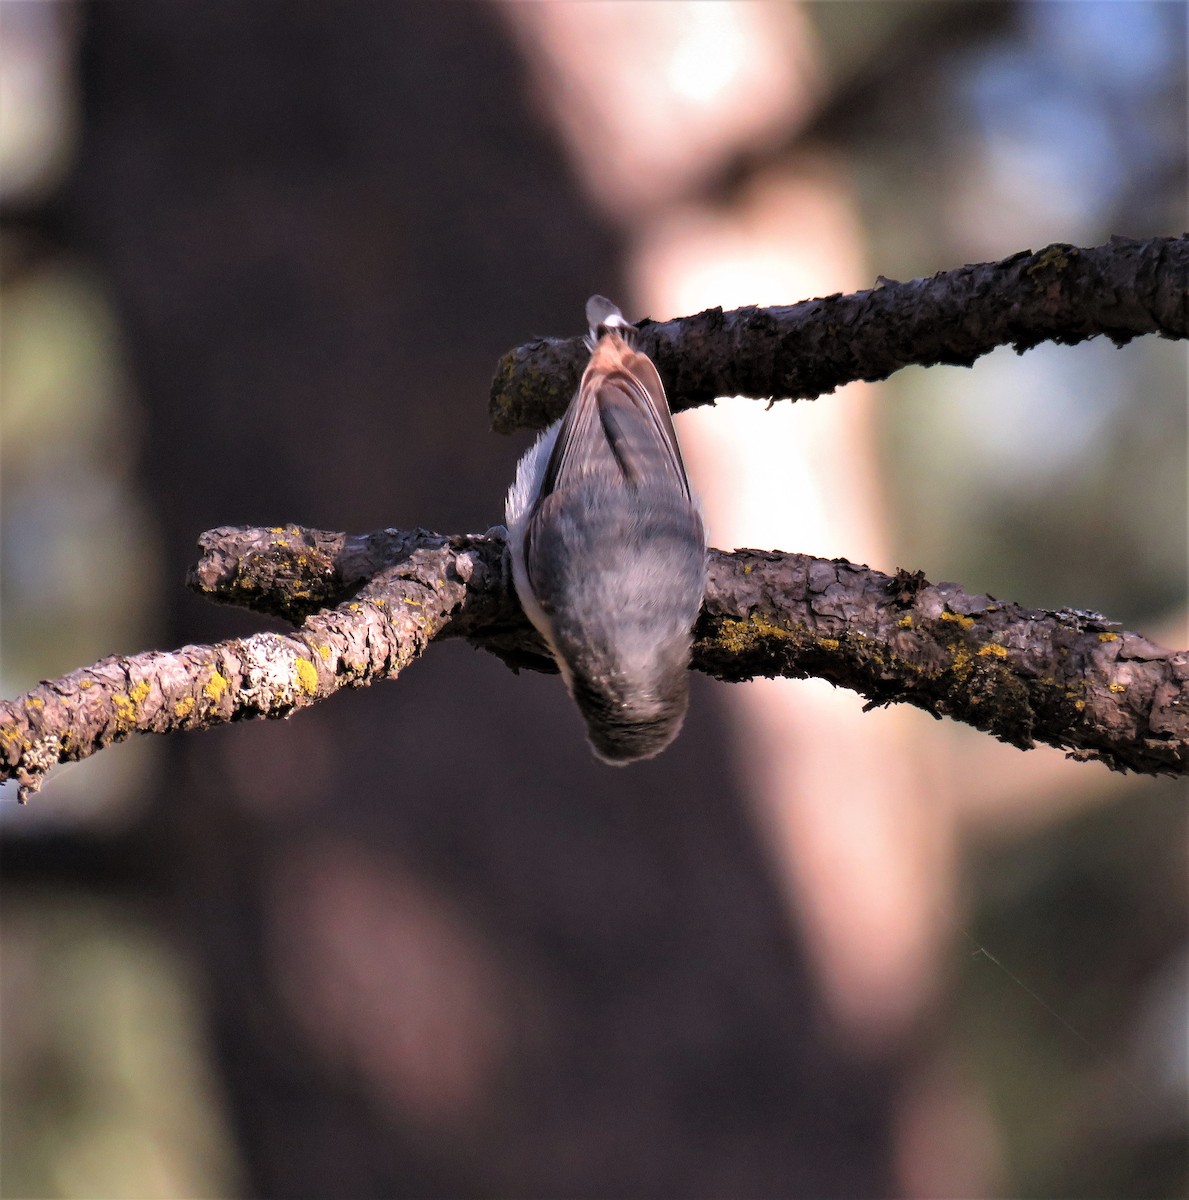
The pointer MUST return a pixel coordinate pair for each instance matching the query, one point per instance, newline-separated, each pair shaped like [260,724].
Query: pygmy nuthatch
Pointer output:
[608,548]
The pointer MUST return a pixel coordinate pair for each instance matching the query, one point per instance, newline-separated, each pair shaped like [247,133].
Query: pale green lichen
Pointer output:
[1052,256]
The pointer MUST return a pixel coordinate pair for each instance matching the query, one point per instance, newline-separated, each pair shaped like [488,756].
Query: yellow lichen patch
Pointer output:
[962,660]
[905,622]
[747,568]
[277,529]
[738,636]
[307,676]
[828,643]
[10,737]
[125,708]
[34,703]
[993,648]
[770,629]
[140,693]
[1116,688]
[183,707]
[214,687]
[84,684]
[965,622]
[324,652]
[1079,704]
[1108,637]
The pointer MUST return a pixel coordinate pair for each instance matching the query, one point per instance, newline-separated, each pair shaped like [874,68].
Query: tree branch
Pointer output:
[1061,294]
[366,606]
[369,605]
[415,585]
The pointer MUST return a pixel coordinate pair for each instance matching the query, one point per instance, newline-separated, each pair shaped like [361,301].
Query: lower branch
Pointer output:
[1070,679]
[412,586]
[368,605]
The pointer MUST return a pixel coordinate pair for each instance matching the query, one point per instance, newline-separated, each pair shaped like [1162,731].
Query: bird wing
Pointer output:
[618,427]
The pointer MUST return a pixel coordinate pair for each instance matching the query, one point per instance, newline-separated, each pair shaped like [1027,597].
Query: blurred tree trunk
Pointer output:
[444,953]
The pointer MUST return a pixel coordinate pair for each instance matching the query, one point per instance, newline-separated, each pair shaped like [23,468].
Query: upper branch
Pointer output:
[1061,294]
[369,605]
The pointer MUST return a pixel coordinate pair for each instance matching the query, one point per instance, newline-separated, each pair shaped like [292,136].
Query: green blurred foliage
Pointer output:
[103,1076]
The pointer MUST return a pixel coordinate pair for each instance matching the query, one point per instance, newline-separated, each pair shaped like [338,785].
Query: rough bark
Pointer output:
[1059,294]
[1071,679]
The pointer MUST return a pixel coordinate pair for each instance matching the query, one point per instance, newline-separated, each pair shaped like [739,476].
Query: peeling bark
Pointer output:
[1059,294]
[369,605]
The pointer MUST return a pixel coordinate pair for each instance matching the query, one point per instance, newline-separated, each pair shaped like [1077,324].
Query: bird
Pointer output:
[608,547]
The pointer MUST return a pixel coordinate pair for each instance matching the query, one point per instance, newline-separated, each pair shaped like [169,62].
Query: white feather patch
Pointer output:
[522,495]
[529,472]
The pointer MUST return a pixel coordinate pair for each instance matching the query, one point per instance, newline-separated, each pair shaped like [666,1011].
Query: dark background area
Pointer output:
[416,942]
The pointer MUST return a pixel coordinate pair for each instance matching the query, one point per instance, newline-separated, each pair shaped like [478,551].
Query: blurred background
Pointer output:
[258,263]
